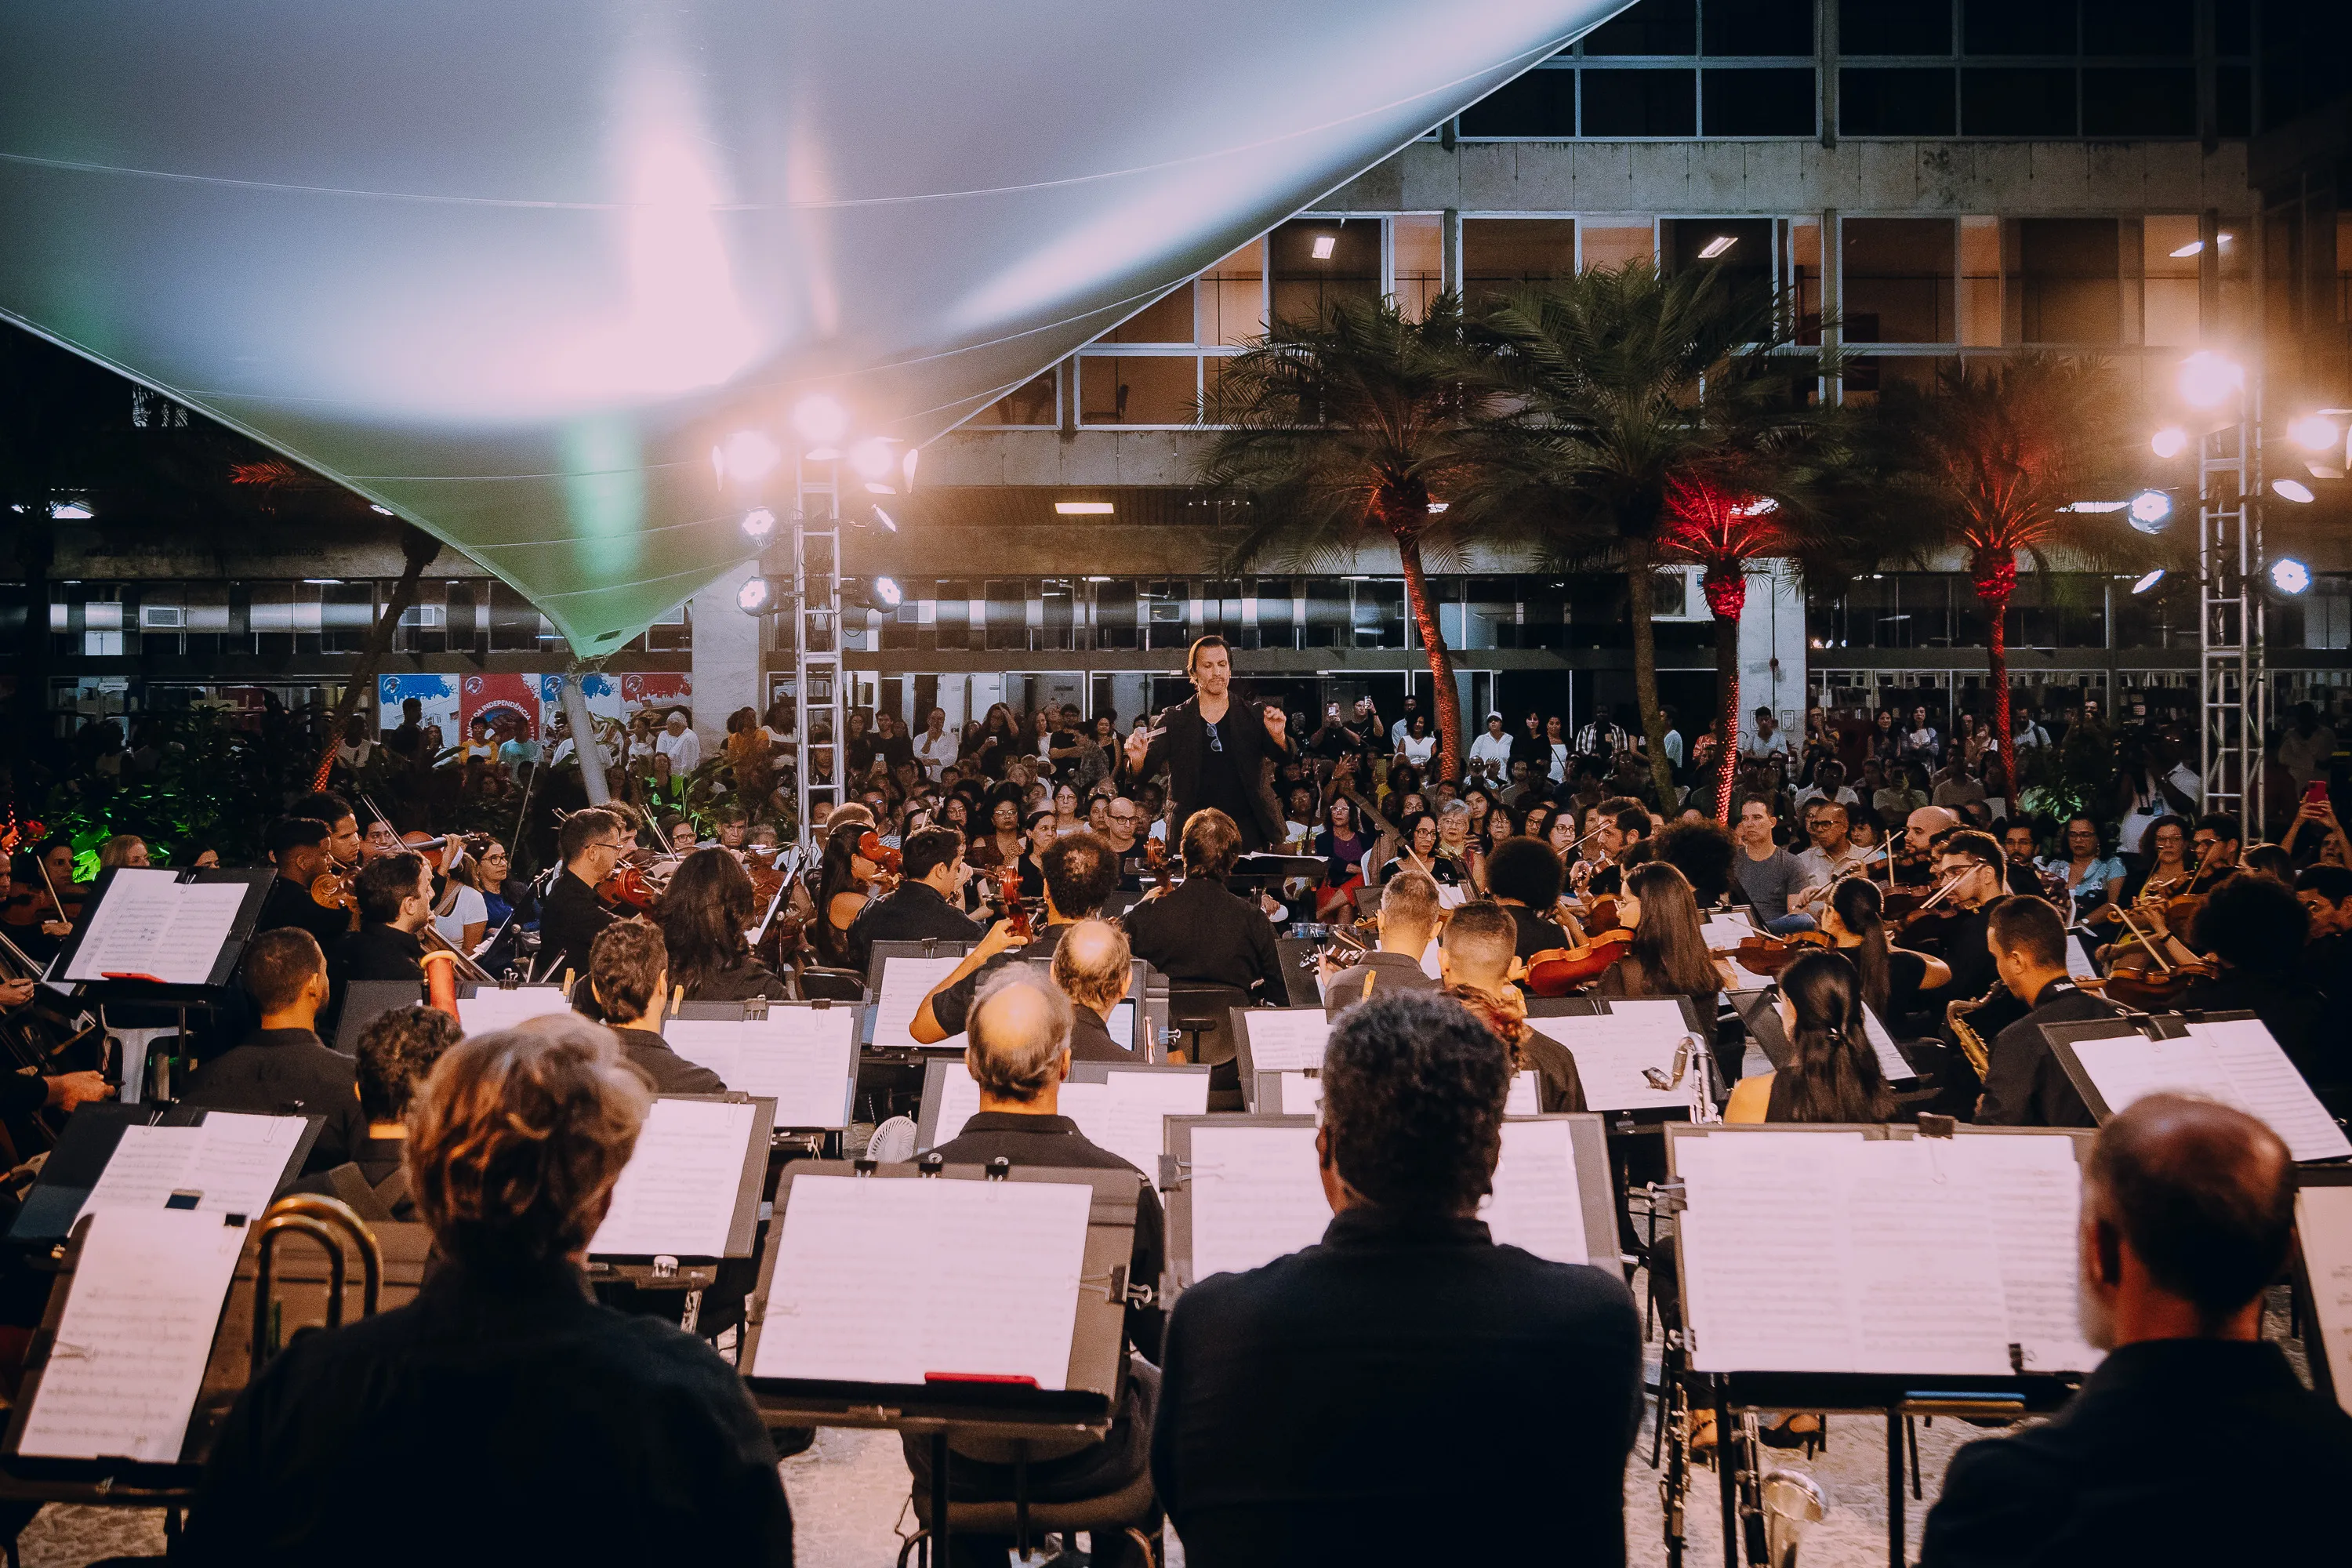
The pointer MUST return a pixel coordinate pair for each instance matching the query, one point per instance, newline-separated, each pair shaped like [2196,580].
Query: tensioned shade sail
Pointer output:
[514,270]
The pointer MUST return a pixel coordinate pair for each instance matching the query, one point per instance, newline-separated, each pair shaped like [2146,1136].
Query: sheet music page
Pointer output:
[152,923]
[1282,1040]
[2125,1067]
[2079,967]
[905,982]
[234,1161]
[1452,897]
[960,1102]
[2323,1217]
[1130,1118]
[1121,1024]
[138,1328]
[1536,1204]
[803,1057]
[1611,1052]
[882,1282]
[1301,1095]
[1768,1281]
[676,1193]
[491,1009]
[1927,1276]
[1524,1099]
[2033,1192]
[2268,1086]
[1891,1064]
[1257,1195]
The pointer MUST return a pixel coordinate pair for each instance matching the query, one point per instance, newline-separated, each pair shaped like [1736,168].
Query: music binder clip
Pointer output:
[931,947]
[1933,1126]
[1668,1197]
[511,980]
[864,1165]
[665,1266]
[1000,1168]
[1173,1173]
[755,1010]
[931,1164]
[1118,1289]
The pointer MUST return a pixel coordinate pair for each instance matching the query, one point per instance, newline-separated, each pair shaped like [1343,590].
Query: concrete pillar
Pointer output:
[725,659]
[1773,649]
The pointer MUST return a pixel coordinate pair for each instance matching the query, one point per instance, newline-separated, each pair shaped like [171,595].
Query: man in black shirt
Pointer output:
[1525,876]
[1973,864]
[628,974]
[2024,1086]
[395,900]
[1314,1410]
[1200,932]
[300,847]
[1080,872]
[1475,962]
[2188,1214]
[1095,969]
[1408,917]
[283,1068]
[395,1054]
[1214,751]
[546,1429]
[1019,1054]
[924,905]
[343,840]
[2325,961]
[589,847]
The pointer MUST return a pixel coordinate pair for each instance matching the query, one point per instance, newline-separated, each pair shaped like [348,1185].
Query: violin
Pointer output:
[1557,971]
[1016,914]
[871,847]
[629,887]
[431,847]
[1768,955]
[333,890]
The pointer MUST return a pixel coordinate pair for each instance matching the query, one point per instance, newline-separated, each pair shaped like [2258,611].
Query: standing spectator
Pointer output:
[1920,742]
[1492,750]
[1767,745]
[1417,744]
[935,748]
[677,749]
[1602,736]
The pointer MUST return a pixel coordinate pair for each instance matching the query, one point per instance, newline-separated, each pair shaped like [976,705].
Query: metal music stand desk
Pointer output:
[691,1274]
[2062,1039]
[878,956]
[936,1070]
[2325,1309]
[791,1140]
[91,1135]
[1084,1407]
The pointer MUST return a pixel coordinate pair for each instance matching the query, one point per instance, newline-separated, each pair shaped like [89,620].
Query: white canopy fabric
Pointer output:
[514,270]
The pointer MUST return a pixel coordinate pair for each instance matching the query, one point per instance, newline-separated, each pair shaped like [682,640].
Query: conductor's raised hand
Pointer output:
[1138,746]
[1277,723]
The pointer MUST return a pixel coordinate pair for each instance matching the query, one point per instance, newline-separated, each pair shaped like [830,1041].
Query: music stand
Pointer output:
[1757,1011]
[948,1402]
[2260,1079]
[1894,1395]
[1264,868]
[1275,1090]
[2323,1275]
[794,1112]
[1647,1106]
[1146,999]
[930,951]
[695,1272]
[947,1086]
[91,1135]
[1268,1054]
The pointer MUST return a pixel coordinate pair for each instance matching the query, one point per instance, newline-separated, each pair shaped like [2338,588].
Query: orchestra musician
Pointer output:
[1215,752]
[2325,894]
[1201,932]
[1922,831]
[628,974]
[2213,847]
[1525,877]
[1020,1051]
[1668,956]
[28,1091]
[2187,1217]
[707,913]
[2024,1084]
[2164,871]
[1080,872]
[845,887]
[2252,932]
[396,1052]
[298,847]
[1474,960]
[589,845]
[342,826]
[1311,1410]
[928,901]
[395,899]
[626,1435]
[1833,1073]
[283,1068]
[1408,917]
[1892,977]
[1093,967]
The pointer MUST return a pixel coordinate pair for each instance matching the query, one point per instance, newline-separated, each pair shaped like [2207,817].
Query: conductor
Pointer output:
[1374,1396]
[1215,754]
[2194,1442]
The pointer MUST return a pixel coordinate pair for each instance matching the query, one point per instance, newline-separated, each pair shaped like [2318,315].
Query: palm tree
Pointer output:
[1721,530]
[1362,425]
[1633,382]
[1993,461]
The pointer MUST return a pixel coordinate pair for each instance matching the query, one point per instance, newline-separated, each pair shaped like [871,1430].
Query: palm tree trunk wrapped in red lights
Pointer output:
[1994,576]
[1721,532]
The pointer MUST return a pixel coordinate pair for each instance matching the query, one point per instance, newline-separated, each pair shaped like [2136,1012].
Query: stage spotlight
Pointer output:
[2170,441]
[2149,581]
[2295,490]
[889,524]
[874,594]
[820,419]
[760,525]
[751,457]
[2208,379]
[758,596]
[2315,433]
[2289,575]
[2150,511]
[871,457]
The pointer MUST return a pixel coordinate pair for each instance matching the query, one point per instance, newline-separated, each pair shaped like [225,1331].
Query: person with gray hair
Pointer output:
[1094,968]
[1409,918]
[2194,1442]
[514,1143]
[1019,1053]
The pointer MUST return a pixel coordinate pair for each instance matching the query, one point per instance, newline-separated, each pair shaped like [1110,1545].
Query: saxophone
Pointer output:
[1969,1036]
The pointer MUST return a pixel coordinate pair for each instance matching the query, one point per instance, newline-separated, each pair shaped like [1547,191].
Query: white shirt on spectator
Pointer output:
[935,752]
[1494,751]
[683,750]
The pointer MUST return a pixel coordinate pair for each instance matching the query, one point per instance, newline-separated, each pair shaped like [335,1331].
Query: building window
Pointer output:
[2017,101]
[1114,622]
[1899,280]
[1502,256]
[1417,248]
[1139,389]
[1540,104]
[1651,27]
[2019,27]
[2146,101]
[1641,103]
[1008,614]
[1167,320]
[1168,613]
[1230,298]
[1758,103]
[1609,244]
[2070,287]
[2170,311]
[1874,28]
[1757,27]
[346,616]
[1906,100]
[1308,284]
[1034,405]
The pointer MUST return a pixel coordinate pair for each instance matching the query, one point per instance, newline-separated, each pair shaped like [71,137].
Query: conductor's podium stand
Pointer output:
[371,1269]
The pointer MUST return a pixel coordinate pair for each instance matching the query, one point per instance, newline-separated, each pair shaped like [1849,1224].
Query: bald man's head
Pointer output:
[2201,1195]
[1019,1035]
[1093,965]
[1478,945]
[1919,829]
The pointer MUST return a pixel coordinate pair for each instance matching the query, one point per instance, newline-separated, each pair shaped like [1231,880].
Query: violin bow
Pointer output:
[2142,937]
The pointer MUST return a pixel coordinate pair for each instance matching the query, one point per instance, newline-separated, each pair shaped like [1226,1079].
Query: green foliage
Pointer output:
[2075,777]
[219,779]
